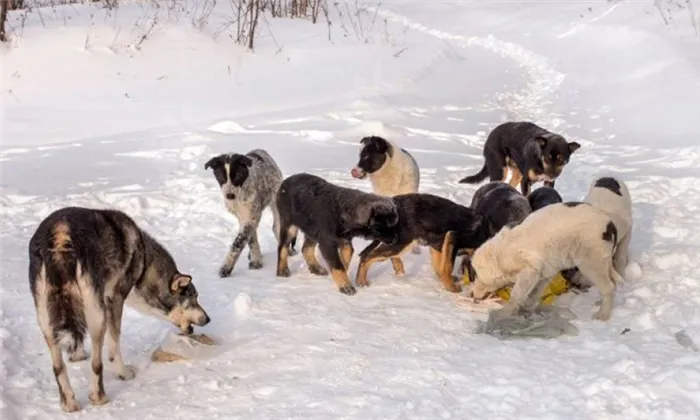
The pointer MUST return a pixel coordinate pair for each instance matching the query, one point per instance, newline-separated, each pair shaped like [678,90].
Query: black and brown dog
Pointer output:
[448,228]
[531,152]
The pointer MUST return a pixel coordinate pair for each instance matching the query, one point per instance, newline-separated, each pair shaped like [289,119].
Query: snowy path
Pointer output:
[402,348]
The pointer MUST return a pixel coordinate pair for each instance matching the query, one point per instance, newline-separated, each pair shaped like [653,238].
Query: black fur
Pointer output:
[610,184]
[501,204]
[331,216]
[542,197]
[610,233]
[427,218]
[574,203]
[525,147]
[374,154]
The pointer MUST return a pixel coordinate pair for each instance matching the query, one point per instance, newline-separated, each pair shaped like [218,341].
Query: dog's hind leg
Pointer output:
[96,319]
[329,250]
[598,272]
[65,391]
[276,229]
[443,263]
[115,308]
[287,232]
[308,250]
[621,256]
[377,252]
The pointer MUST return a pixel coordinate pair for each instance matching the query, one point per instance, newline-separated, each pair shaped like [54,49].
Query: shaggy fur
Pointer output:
[552,239]
[391,169]
[542,197]
[427,218]
[611,196]
[330,216]
[249,184]
[82,265]
[531,152]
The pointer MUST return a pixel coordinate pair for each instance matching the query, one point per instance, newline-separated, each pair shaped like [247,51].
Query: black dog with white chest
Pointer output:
[446,227]
[531,152]
[330,216]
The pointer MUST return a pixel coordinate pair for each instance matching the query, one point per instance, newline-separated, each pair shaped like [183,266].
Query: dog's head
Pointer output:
[231,171]
[382,222]
[373,154]
[556,152]
[485,273]
[186,310]
[543,197]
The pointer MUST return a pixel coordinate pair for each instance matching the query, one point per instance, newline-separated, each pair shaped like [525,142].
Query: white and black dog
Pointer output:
[551,239]
[392,170]
[83,263]
[249,184]
[330,216]
[611,196]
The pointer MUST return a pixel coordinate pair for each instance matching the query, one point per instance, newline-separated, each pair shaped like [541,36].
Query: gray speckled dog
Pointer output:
[249,184]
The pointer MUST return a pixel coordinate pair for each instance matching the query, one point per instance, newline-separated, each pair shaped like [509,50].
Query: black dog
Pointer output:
[446,227]
[330,216]
[501,204]
[542,197]
[532,153]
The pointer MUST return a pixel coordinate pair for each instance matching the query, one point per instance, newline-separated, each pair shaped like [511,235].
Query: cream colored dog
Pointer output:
[557,237]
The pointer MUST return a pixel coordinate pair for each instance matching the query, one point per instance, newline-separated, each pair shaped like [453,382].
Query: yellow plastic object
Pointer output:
[558,286]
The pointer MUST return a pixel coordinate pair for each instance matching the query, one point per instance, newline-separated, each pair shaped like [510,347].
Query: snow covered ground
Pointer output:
[90,119]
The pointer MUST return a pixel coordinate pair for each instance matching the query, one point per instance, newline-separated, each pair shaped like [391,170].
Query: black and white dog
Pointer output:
[330,216]
[392,170]
[249,184]
[83,263]
[531,152]
[446,227]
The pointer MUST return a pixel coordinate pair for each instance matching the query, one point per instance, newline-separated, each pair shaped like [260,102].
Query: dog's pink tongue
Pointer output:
[356,173]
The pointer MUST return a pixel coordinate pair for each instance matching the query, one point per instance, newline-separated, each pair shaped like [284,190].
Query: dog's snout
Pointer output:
[206,320]
[230,196]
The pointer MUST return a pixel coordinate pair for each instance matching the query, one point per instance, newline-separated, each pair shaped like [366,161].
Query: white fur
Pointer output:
[619,209]
[554,238]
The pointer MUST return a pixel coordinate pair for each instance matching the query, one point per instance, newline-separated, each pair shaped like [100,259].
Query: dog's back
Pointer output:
[501,204]
[428,217]
[399,175]
[611,195]
[75,255]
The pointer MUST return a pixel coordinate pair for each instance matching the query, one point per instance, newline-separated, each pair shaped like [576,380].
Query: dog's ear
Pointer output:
[468,268]
[541,141]
[573,146]
[179,281]
[246,161]
[213,162]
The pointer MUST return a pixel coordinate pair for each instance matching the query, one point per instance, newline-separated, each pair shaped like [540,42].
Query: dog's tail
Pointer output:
[473,179]
[57,295]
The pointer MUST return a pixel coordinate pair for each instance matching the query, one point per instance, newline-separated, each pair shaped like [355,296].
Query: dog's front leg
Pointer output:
[241,240]
[526,282]
[254,252]
[329,250]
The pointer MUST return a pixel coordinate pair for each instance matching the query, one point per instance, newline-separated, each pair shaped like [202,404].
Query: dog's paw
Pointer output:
[601,315]
[70,405]
[78,355]
[361,283]
[348,289]
[318,270]
[225,271]
[127,373]
[255,265]
[98,398]
[285,272]
[454,288]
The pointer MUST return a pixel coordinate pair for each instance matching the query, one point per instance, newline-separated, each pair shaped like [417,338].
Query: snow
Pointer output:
[89,119]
